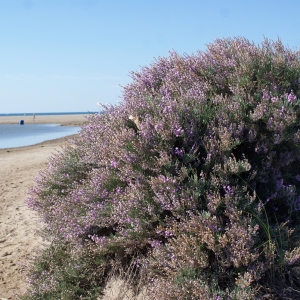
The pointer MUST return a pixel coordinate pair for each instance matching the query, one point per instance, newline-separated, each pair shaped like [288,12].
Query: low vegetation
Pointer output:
[190,187]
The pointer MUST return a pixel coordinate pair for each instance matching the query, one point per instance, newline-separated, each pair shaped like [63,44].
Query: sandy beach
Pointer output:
[18,225]
[74,120]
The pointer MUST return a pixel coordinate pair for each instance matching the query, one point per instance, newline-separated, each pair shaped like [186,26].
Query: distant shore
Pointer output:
[66,120]
[19,166]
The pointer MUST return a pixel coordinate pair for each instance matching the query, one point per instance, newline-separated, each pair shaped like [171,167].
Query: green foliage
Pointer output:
[61,273]
[191,186]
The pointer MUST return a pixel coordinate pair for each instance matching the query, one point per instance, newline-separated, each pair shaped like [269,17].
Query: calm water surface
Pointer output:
[15,135]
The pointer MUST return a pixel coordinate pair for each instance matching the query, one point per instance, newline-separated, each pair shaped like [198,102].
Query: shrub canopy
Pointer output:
[192,182]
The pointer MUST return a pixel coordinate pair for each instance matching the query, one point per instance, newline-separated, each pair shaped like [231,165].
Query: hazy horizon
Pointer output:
[49,113]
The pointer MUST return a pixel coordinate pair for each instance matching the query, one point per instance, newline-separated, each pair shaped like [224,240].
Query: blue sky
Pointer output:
[67,55]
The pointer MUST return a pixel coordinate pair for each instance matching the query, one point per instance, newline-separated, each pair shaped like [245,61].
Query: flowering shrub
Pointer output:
[194,180]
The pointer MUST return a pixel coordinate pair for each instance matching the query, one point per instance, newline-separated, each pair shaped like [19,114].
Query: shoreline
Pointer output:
[18,224]
[47,143]
[62,120]
[19,241]
[65,120]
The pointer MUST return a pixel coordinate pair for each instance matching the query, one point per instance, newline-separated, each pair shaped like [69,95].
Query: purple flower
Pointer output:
[158,127]
[104,194]
[292,98]
[118,190]
[266,95]
[178,131]
[114,163]
[168,233]
[179,152]
[154,243]
[167,109]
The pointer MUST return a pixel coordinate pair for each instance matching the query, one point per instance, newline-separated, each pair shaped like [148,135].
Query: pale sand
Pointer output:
[18,224]
[58,119]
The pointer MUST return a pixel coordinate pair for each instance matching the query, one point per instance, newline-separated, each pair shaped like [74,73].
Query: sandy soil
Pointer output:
[18,224]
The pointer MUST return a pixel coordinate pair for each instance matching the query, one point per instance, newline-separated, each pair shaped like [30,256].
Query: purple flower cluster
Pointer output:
[197,170]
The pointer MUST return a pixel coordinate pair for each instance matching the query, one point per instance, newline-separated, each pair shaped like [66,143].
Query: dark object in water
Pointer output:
[21,122]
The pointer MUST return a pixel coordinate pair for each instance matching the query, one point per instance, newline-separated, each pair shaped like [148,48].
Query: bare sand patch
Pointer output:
[18,224]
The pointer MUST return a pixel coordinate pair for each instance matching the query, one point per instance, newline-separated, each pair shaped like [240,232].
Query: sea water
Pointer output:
[15,135]
[48,114]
